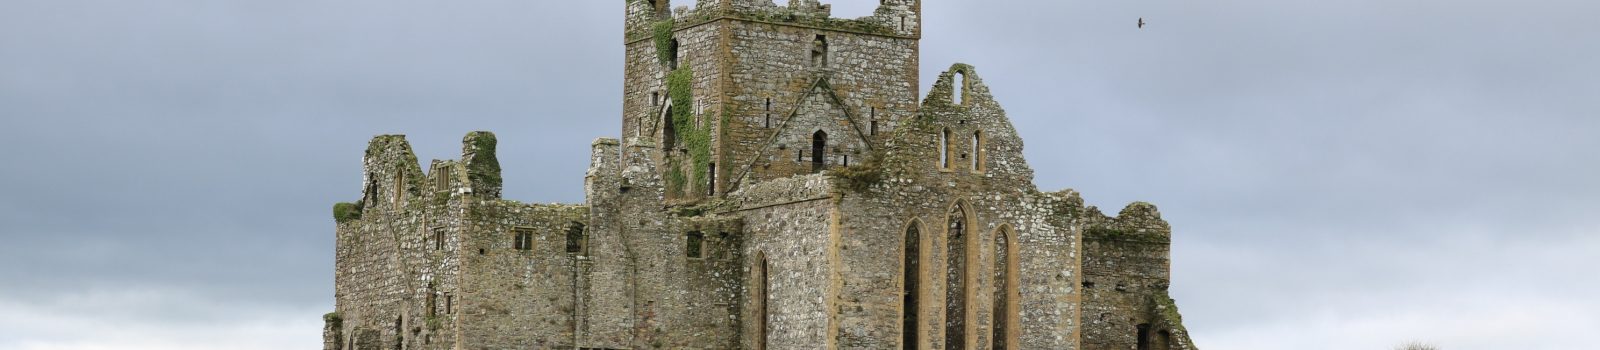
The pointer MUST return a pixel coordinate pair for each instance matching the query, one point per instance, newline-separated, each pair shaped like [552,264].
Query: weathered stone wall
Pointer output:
[864,84]
[1127,273]
[372,275]
[515,298]
[925,226]
[607,275]
[991,197]
[787,224]
[753,66]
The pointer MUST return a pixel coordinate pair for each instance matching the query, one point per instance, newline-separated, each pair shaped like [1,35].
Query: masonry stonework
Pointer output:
[778,185]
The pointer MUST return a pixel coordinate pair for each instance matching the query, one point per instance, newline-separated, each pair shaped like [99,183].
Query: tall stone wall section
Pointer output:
[1127,272]
[787,229]
[513,297]
[373,283]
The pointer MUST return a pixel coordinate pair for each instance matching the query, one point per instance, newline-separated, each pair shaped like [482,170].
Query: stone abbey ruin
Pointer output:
[781,183]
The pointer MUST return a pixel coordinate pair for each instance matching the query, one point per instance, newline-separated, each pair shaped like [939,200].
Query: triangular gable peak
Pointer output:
[960,129]
[819,118]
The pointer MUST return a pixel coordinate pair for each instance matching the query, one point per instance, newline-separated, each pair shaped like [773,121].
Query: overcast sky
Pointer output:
[1339,174]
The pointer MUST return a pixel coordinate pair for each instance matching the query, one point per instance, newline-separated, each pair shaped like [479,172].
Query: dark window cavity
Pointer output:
[819,151]
[524,240]
[696,246]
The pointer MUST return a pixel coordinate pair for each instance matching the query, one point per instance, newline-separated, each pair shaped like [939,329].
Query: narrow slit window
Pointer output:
[399,186]
[977,150]
[768,122]
[944,149]
[438,238]
[711,181]
[872,128]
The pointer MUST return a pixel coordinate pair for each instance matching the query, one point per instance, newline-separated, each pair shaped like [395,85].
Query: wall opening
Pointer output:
[1144,336]
[711,179]
[955,308]
[1005,289]
[370,195]
[524,239]
[768,122]
[672,56]
[819,151]
[819,52]
[958,92]
[1163,341]
[761,299]
[449,304]
[433,303]
[977,150]
[576,239]
[669,133]
[872,115]
[438,238]
[399,186]
[399,333]
[944,149]
[911,272]
[442,181]
[696,245]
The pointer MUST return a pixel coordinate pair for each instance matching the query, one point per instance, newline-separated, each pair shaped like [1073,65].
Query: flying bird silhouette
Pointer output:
[1141,22]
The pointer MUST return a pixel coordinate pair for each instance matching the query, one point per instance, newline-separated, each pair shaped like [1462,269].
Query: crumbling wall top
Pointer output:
[483,167]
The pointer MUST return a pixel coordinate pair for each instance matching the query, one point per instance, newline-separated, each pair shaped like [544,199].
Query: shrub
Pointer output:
[1416,346]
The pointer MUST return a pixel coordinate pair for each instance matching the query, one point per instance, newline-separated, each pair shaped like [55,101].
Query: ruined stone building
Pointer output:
[780,183]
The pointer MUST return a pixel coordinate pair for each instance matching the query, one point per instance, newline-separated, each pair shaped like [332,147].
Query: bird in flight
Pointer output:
[1141,22]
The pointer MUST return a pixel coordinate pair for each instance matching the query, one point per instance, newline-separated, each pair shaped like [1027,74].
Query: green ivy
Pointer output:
[694,136]
[663,35]
[346,212]
[484,168]
[334,319]
[675,179]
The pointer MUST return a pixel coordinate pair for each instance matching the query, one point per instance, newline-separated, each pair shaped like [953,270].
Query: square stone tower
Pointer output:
[731,92]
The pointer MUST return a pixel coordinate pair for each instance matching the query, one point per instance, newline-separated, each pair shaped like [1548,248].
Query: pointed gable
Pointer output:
[819,118]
